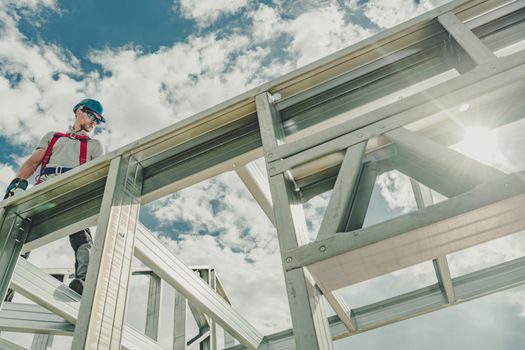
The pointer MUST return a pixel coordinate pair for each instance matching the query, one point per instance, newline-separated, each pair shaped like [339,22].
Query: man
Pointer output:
[57,153]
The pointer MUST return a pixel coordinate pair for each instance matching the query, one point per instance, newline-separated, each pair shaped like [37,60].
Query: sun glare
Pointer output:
[480,144]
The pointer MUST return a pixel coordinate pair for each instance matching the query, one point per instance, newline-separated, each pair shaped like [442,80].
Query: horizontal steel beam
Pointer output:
[480,81]
[29,318]
[489,211]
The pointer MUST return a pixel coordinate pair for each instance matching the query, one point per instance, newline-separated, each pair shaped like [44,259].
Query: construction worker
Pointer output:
[57,153]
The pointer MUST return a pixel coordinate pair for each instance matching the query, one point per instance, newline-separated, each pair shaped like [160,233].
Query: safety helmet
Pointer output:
[92,105]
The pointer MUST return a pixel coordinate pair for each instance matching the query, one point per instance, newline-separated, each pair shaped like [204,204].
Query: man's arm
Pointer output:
[26,171]
[29,167]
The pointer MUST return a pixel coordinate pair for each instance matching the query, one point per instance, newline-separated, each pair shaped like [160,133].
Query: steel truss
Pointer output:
[389,102]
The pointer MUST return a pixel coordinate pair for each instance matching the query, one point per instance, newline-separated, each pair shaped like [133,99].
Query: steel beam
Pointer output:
[153,308]
[179,322]
[28,318]
[342,310]
[228,339]
[362,197]
[484,79]
[9,345]
[466,39]
[63,302]
[470,286]
[104,299]
[41,342]
[13,233]
[489,211]
[434,164]
[257,184]
[156,147]
[135,340]
[200,341]
[45,290]
[424,199]
[338,210]
[307,312]
[162,262]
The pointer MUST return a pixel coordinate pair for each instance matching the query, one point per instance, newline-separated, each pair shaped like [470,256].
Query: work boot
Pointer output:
[77,285]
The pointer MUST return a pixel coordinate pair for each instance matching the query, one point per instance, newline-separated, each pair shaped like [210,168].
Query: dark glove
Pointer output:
[15,186]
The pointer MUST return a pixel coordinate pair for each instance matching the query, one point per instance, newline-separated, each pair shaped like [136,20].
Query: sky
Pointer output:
[153,63]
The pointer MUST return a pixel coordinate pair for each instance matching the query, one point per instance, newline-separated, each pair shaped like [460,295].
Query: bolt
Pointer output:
[289,259]
[360,135]
[121,234]
[322,248]
[276,97]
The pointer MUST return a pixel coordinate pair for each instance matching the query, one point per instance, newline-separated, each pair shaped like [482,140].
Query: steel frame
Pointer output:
[389,102]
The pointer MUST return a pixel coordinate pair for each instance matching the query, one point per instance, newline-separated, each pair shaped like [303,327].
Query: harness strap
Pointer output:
[83,150]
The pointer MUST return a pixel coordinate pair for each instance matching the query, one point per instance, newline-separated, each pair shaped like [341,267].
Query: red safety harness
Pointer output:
[83,150]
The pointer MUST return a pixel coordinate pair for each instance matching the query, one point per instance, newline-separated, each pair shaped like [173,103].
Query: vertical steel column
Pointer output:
[101,313]
[423,196]
[153,308]
[179,322]
[13,233]
[213,324]
[41,342]
[209,343]
[309,320]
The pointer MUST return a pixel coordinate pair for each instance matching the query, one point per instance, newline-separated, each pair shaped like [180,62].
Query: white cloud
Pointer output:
[7,173]
[321,32]
[41,93]
[207,11]
[397,191]
[314,33]
[157,89]
[387,14]
[29,6]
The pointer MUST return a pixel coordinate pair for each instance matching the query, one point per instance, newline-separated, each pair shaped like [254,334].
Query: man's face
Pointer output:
[89,119]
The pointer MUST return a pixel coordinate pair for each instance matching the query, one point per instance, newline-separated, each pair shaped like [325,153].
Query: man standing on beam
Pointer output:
[60,152]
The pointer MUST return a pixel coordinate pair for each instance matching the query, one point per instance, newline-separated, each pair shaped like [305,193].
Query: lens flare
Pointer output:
[480,144]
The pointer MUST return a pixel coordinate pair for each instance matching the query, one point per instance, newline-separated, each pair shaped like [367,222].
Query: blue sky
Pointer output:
[155,62]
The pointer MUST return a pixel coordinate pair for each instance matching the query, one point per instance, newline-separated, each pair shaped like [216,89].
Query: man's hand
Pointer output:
[15,186]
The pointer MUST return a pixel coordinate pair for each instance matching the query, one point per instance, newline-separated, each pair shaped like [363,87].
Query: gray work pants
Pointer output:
[81,242]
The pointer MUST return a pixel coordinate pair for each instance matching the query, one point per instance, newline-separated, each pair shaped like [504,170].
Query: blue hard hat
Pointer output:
[92,105]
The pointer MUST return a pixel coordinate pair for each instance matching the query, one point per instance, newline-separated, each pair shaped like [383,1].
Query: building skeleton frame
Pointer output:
[389,102]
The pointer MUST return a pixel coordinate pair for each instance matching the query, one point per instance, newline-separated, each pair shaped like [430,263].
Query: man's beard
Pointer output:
[85,129]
